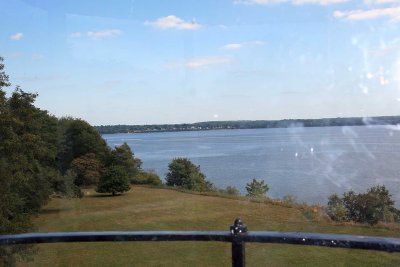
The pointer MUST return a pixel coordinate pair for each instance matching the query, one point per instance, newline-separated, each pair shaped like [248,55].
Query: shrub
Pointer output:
[231,190]
[336,209]
[257,189]
[114,180]
[182,172]
[371,207]
[149,177]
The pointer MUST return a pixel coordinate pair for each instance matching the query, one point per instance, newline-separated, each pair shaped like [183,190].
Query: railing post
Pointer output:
[238,230]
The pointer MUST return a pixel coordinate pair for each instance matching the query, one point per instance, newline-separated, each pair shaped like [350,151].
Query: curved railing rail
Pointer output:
[238,236]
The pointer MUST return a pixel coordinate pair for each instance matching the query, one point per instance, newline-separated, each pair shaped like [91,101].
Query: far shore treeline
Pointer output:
[249,124]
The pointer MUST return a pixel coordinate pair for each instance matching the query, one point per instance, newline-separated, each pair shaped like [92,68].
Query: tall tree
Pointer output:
[182,172]
[123,156]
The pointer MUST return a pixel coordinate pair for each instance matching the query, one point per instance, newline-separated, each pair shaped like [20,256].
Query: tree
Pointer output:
[87,170]
[256,189]
[123,156]
[78,140]
[28,166]
[114,180]
[183,173]
[370,207]
[336,209]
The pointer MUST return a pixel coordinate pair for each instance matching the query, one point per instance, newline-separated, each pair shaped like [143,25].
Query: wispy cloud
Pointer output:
[207,61]
[199,63]
[294,2]
[392,13]
[173,22]
[378,2]
[243,44]
[108,33]
[16,37]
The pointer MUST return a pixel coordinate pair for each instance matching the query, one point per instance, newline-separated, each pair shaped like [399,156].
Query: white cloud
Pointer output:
[207,62]
[294,2]
[377,2]
[390,12]
[173,22]
[97,34]
[16,37]
[104,34]
[241,45]
[232,46]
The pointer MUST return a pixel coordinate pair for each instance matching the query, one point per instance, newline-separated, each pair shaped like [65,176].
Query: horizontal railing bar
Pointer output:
[325,240]
[315,239]
[59,237]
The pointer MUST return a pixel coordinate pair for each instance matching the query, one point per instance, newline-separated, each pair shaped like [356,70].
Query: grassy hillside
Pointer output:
[162,209]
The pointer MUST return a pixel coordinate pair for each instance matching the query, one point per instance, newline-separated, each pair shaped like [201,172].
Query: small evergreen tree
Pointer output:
[183,173]
[257,189]
[114,180]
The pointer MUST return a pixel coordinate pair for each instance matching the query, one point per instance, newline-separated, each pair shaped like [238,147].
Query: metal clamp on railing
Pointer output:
[238,230]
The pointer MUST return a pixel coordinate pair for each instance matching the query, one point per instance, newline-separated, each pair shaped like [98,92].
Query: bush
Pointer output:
[183,173]
[371,207]
[230,190]
[336,209]
[257,189]
[114,180]
[149,177]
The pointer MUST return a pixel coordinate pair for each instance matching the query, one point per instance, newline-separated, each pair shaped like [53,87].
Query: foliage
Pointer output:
[336,209]
[65,185]
[114,180]
[123,156]
[182,172]
[247,124]
[149,177]
[370,207]
[230,190]
[78,139]
[28,138]
[257,189]
[87,170]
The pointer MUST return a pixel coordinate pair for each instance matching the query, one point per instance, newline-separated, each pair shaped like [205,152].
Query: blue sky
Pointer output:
[146,61]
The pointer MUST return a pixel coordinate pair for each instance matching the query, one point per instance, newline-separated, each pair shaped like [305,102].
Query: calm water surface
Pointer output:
[309,163]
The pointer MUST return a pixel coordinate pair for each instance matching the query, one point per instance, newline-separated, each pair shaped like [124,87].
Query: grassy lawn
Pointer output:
[163,209]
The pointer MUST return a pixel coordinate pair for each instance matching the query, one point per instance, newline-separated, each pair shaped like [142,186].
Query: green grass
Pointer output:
[162,209]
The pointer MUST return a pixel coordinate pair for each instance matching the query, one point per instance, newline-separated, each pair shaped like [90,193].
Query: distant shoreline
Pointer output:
[248,124]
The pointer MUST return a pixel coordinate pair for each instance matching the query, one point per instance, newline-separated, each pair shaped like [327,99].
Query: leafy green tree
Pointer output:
[28,163]
[256,189]
[370,207]
[114,181]
[336,209]
[87,169]
[78,140]
[123,156]
[183,173]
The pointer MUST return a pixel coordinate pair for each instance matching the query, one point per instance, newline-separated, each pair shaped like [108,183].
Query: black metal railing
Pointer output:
[238,236]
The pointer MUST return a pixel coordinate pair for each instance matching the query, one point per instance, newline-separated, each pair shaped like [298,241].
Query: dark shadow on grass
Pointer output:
[104,195]
[53,211]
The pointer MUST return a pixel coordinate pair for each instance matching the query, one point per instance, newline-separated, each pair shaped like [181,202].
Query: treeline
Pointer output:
[43,156]
[218,125]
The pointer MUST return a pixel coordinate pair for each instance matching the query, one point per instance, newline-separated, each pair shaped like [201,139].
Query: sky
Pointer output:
[148,61]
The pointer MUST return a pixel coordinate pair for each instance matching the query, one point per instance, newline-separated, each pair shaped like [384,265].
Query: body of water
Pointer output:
[308,163]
